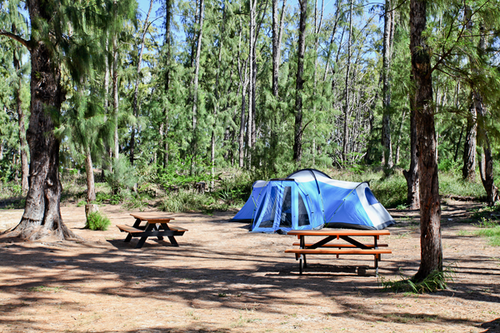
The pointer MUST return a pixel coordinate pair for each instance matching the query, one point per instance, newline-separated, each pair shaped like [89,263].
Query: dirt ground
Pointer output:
[224,279]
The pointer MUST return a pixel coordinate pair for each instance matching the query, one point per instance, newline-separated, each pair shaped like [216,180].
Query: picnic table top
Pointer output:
[152,217]
[338,232]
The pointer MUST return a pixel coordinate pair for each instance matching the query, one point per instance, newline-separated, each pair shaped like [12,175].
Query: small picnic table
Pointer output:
[351,245]
[155,225]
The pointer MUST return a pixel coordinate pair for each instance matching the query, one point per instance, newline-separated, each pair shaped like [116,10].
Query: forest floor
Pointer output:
[224,279]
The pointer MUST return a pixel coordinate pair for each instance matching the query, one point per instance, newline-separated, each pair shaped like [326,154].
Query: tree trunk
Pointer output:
[116,149]
[42,213]
[196,74]
[297,146]
[216,104]
[135,110]
[398,143]
[430,209]
[469,157]
[386,94]
[106,165]
[90,207]
[168,43]
[242,71]
[345,148]
[252,83]
[23,147]
[413,194]
[486,166]
[317,29]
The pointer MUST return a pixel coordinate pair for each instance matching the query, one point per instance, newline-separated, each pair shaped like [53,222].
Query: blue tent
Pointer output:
[309,199]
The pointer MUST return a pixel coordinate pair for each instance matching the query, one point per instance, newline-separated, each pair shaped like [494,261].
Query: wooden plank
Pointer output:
[152,217]
[341,245]
[339,232]
[175,228]
[339,251]
[129,229]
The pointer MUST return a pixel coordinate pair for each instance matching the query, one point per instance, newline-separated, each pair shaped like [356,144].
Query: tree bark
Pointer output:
[168,42]
[252,83]
[386,94]
[196,72]
[345,147]
[116,149]
[486,164]
[413,194]
[42,213]
[469,157]
[21,117]
[297,146]
[430,208]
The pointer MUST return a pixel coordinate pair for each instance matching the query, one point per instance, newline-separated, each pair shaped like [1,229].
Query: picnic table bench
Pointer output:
[351,246]
[154,226]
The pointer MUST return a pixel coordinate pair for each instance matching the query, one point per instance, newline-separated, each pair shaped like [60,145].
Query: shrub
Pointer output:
[96,221]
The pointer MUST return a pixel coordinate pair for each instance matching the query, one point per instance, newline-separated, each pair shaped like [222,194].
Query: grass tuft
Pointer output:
[97,221]
[437,280]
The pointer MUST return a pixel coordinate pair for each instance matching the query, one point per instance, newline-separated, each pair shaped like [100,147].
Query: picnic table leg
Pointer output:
[141,241]
[170,238]
[158,229]
[302,258]
[136,225]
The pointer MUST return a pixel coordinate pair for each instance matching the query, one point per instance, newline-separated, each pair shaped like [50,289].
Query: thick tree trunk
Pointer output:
[386,94]
[430,208]
[297,146]
[42,214]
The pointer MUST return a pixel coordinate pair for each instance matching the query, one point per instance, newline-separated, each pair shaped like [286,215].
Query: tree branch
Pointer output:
[16,38]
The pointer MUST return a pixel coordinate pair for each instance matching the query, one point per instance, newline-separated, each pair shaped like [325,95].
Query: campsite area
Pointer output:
[224,279]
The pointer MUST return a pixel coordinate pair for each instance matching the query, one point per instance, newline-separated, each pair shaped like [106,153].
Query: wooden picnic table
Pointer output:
[154,225]
[351,244]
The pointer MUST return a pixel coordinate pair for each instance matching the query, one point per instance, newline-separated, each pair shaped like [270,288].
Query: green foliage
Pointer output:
[137,201]
[390,191]
[97,221]
[453,184]
[122,177]
[489,224]
[436,280]
[177,173]
[186,201]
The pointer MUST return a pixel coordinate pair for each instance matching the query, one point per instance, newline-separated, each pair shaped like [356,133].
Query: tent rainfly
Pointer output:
[309,199]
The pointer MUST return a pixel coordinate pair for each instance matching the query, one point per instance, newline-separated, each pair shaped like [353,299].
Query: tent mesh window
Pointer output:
[270,210]
[286,208]
[303,216]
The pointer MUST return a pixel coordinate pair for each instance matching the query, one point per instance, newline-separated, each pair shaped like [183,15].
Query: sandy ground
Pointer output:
[224,279]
